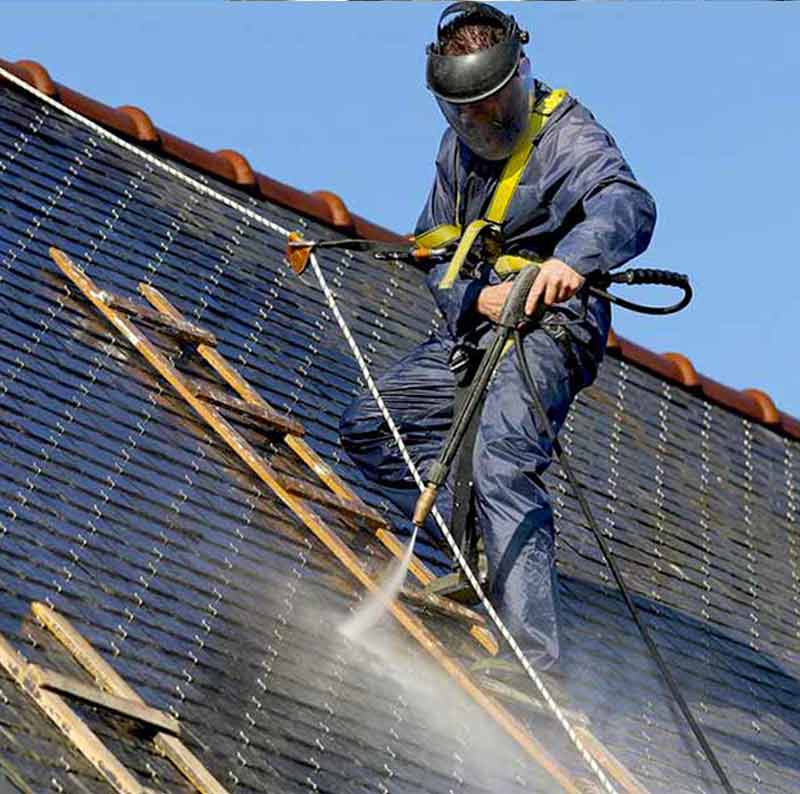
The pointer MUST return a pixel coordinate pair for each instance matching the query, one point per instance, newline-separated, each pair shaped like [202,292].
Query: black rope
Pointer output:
[648,640]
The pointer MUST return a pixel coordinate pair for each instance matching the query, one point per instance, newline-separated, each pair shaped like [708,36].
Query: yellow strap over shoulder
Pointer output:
[516,164]
[503,193]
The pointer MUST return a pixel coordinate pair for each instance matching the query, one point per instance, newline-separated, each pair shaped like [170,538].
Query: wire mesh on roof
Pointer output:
[123,512]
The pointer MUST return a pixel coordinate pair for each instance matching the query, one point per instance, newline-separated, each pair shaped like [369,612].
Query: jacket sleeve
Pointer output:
[609,216]
[456,302]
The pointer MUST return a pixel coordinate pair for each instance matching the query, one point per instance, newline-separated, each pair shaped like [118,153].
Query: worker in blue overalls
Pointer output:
[534,165]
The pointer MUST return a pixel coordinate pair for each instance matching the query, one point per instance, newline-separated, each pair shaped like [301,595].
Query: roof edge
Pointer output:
[326,207]
[676,368]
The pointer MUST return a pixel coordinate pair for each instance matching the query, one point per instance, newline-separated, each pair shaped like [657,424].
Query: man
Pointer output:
[535,165]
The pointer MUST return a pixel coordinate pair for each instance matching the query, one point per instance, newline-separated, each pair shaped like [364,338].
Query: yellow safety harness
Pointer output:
[446,234]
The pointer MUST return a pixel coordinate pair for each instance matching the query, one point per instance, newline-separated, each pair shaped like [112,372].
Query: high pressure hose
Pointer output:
[611,562]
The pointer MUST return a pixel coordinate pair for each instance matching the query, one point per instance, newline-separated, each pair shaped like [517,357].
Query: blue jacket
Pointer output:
[577,200]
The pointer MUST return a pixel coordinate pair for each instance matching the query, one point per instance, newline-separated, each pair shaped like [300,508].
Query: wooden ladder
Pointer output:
[112,693]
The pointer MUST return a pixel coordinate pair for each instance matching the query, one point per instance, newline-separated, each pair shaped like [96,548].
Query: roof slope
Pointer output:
[122,511]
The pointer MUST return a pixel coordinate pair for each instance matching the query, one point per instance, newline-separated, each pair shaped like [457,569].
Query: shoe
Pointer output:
[456,587]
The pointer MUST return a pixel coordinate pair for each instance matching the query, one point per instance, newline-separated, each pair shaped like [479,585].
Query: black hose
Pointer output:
[643,630]
[665,278]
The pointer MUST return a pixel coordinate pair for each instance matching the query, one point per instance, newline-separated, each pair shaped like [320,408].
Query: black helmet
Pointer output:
[478,93]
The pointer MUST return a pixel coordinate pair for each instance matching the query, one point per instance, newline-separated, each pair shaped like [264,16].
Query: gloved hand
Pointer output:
[556,283]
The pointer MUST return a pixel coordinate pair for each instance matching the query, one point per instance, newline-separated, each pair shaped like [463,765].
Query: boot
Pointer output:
[455,585]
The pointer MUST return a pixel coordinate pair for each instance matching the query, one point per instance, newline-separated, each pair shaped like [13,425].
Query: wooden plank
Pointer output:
[212,394]
[69,723]
[108,678]
[179,328]
[309,456]
[612,765]
[346,557]
[371,518]
[511,694]
[68,685]
[443,606]
[232,377]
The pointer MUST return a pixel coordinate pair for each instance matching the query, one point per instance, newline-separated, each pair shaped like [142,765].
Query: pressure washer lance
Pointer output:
[513,312]
[512,316]
[512,323]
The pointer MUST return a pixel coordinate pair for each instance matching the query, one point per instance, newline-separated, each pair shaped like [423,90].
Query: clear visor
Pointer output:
[491,127]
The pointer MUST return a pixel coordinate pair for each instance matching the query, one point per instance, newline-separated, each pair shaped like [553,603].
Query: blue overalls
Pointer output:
[575,199]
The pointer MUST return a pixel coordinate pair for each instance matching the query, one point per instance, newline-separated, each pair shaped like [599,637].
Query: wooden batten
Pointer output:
[266,415]
[111,681]
[181,329]
[358,509]
[73,728]
[68,685]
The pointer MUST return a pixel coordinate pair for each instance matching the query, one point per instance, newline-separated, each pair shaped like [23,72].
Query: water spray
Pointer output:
[378,602]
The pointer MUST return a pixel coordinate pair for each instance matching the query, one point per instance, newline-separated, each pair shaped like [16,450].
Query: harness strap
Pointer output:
[509,263]
[468,239]
[438,236]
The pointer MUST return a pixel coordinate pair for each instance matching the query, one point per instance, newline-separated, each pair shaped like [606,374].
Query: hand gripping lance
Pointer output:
[512,315]
[511,319]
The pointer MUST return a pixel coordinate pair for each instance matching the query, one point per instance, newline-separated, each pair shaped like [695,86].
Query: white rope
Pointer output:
[464,565]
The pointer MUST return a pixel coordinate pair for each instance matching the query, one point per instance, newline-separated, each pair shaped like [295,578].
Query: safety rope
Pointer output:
[247,212]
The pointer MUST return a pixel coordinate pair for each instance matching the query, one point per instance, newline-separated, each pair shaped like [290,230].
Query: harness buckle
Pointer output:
[481,242]
[463,361]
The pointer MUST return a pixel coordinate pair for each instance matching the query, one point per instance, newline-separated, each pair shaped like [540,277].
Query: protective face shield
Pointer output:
[484,95]
[491,127]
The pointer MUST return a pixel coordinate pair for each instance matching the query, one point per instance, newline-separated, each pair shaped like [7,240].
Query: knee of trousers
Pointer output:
[512,463]
[360,433]
[370,445]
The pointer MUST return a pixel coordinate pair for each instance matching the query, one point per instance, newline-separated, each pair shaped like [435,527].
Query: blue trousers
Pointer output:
[511,452]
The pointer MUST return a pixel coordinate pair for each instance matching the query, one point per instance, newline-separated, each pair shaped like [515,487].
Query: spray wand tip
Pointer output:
[425,504]
[298,251]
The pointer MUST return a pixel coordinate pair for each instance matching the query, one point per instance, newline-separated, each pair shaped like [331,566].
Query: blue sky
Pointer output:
[702,98]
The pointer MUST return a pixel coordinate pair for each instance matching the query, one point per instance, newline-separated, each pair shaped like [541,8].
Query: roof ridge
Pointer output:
[329,208]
